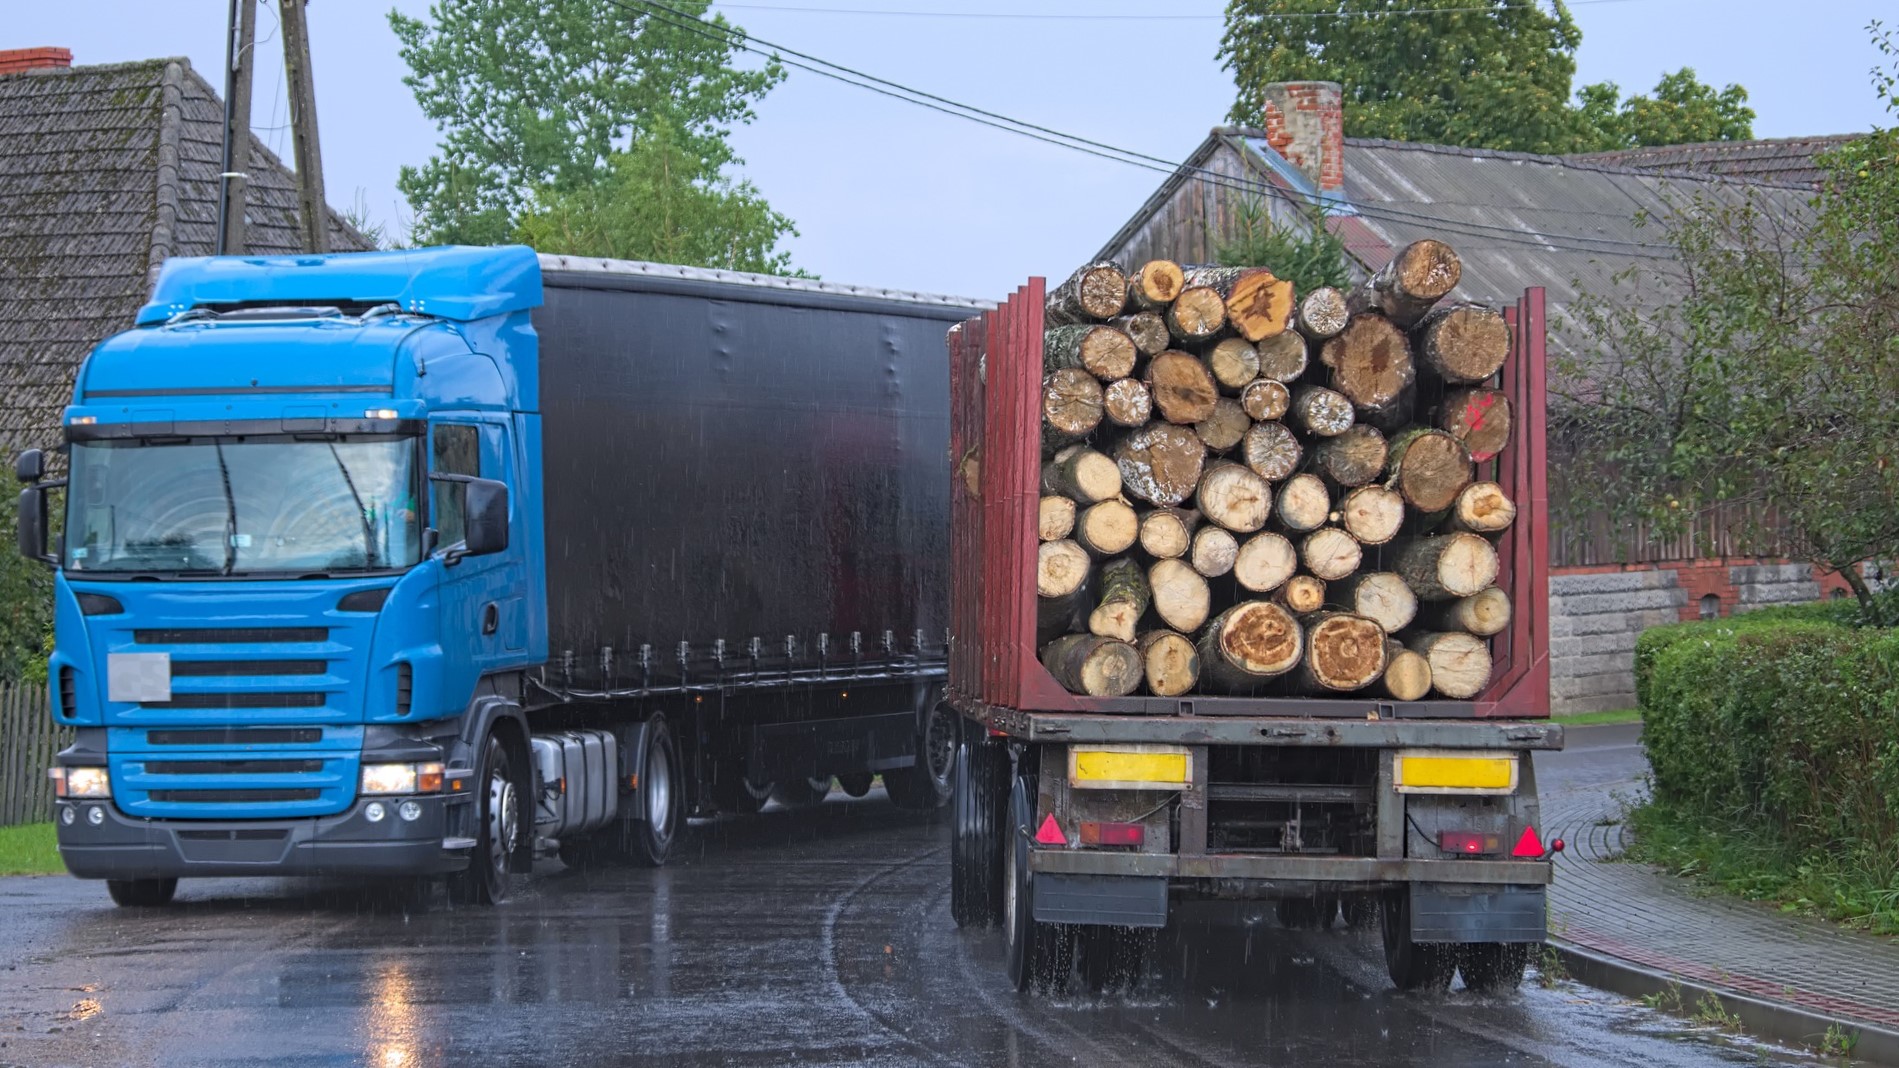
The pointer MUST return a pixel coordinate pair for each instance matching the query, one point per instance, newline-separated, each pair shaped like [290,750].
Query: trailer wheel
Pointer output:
[926,784]
[497,831]
[1414,965]
[1039,955]
[856,785]
[976,834]
[141,893]
[1495,967]
[650,841]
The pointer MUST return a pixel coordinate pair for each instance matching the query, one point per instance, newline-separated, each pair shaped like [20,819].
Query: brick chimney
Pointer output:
[1305,121]
[20,60]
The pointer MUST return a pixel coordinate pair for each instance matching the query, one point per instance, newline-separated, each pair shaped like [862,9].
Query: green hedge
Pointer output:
[1786,721]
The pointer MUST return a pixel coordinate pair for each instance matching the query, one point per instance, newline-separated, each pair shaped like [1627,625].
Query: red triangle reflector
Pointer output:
[1529,845]
[1050,833]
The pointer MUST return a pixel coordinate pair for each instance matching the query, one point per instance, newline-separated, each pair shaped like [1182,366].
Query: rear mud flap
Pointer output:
[1115,900]
[1477,914]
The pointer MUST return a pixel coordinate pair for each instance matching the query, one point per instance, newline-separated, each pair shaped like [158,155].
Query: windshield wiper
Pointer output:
[230,512]
[362,517]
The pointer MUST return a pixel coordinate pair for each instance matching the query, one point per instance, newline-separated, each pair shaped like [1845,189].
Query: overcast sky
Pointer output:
[890,194]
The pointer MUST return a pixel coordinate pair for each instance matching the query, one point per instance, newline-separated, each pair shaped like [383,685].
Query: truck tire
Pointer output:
[976,835]
[1426,966]
[855,785]
[497,830]
[1038,955]
[926,784]
[141,893]
[649,842]
[1495,967]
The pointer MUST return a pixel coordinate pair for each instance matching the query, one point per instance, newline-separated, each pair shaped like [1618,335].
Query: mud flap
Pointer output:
[1115,900]
[1449,913]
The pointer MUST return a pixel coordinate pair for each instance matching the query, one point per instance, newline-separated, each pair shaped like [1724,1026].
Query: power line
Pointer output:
[1025,16]
[737,38]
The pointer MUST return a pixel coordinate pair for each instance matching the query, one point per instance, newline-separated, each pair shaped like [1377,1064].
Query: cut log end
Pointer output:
[1282,358]
[1430,467]
[1344,652]
[1126,402]
[1072,402]
[1460,663]
[1259,305]
[1249,645]
[1161,463]
[1370,362]
[1482,508]
[1226,427]
[1055,518]
[1448,566]
[1321,412]
[1304,503]
[1108,528]
[1427,270]
[1183,388]
[1383,598]
[1271,451]
[1124,599]
[1265,400]
[1061,568]
[1082,474]
[1197,314]
[1480,418]
[1170,662]
[1301,595]
[1234,497]
[1167,534]
[1092,665]
[1265,562]
[1180,595]
[1407,675]
[1330,553]
[1372,514]
[1322,314]
[1485,614]
[1465,344]
[1234,363]
[1147,328]
[1156,283]
[1214,552]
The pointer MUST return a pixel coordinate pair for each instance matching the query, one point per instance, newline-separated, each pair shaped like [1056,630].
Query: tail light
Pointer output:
[1469,843]
[405,687]
[68,694]
[1111,834]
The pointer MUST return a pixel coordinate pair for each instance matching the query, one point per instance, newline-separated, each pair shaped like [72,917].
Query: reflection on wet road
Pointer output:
[816,937]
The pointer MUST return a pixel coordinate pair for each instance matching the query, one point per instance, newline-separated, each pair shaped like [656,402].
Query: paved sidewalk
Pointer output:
[1639,914]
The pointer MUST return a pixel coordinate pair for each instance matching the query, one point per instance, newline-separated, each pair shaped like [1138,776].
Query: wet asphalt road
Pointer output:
[815,937]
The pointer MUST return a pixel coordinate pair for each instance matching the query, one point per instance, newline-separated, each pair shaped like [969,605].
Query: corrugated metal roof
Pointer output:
[1788,160]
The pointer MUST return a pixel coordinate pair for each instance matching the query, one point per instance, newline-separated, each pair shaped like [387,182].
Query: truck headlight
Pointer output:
[402,778]
[93,782]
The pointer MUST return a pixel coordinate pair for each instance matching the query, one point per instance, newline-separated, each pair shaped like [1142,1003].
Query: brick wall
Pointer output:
[17,60]
[1305,122]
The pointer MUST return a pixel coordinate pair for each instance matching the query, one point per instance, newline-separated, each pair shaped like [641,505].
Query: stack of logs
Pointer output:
[1252,491]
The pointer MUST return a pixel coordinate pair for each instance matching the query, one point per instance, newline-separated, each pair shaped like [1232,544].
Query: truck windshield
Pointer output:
[241,505]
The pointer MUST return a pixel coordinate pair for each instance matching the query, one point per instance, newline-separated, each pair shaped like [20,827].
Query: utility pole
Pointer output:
[239,63]
[313,211]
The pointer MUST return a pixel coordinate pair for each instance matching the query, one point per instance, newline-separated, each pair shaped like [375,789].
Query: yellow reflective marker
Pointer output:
[1437,771]
[1129,767]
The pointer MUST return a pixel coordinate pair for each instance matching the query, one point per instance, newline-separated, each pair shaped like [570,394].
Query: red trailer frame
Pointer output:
[995,438]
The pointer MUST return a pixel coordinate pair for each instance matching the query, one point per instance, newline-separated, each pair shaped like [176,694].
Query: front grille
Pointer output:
[68,695]
[230,767]
[236,736]
[238,835]
[210,669]
[239,700]
[232,797]
[405,687]
[230,635]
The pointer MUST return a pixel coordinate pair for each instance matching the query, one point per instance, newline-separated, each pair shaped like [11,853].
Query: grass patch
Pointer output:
[1858,890]
[29,850]
[1591,719]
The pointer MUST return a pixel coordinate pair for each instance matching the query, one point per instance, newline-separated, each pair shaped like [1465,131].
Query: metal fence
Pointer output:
[28,740]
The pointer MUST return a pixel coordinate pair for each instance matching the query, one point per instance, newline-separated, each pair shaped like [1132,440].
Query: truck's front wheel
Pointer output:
[664,803]
[141,893]
[497,831]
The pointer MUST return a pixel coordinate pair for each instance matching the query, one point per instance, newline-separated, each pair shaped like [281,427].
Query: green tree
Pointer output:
[538,94]
[1497,77]
[659,201]
[26,616]
[1760,367]
[1681,111]
[1310,255]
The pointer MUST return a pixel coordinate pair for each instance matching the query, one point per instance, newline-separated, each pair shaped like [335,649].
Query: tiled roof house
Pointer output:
[105,171]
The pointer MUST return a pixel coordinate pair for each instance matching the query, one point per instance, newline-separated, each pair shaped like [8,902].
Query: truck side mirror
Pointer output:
[30,467]
[33,524]
[486,509]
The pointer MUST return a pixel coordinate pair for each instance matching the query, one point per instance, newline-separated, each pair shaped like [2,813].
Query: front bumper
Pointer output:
[348,843]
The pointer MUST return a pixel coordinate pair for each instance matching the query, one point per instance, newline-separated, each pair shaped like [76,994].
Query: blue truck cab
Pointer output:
[302,567]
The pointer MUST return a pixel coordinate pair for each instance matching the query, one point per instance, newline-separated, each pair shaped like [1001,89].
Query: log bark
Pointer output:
[1234,363]
[1320,412]
[1161,463]
[1372,514]
[1124,599]
[1082,474]
[1126,402]
[1234,497]
[1093,665]
[1464,344]
[1181,597]
[1196,315]
[1056,616]
[1380,596]
[1407,674]
[1460,663]
[1429,468]
[1214,551]
[1184,390]
[1351,458]
[1226,427]
[1322,314]
[1344,652]
[1155,284]
[1330,553]
[1248,646]
[1416,279]
[1170,661]
[1271,451]
[1093,293]
[1108,528]
[1265,400]
[1055,518]
[1480,418]
[1447,566]
[1370,362]
[1302,595]
[1265,562]
[1482,508]
[1283,358]
[1485,614]
[1102,351]
[1167,533]
[1147,328]
[1071,405]
[1303,503]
